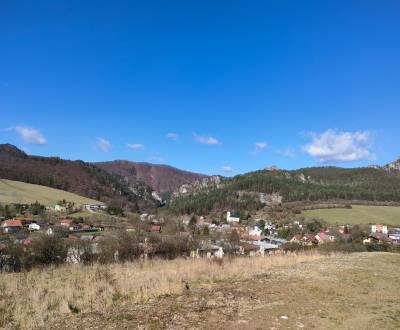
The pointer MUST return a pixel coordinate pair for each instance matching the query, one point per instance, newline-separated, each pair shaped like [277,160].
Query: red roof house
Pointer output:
[66,223]
[12,223]
[155,229]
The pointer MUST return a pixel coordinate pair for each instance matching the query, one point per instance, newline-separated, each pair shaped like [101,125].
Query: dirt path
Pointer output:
[358,291]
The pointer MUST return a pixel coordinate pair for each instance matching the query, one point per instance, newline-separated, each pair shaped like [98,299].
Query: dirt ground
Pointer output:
[356,291]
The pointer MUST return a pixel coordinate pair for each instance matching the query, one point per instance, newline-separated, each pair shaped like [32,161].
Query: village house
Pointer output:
[255,231]
[33,227]
[232,217]
[60,208]
[155,229]
[378,238]
[143,217]
[274,240]
[304,240]
[266,246]
[66,223]
[394,235]
[12,226]
[206,249]
[379,229]
[255,234]
[249,249]
[323,237]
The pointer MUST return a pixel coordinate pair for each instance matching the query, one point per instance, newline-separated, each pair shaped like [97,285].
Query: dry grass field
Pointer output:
[358,214]
[354,291]
[26,193]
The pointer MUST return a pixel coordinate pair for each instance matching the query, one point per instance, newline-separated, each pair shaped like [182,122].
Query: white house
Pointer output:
[60,208]
[232,217]
[255,232]
[33,227]
[379,229]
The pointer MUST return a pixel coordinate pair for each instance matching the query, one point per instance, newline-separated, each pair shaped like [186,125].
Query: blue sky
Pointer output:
[218,87]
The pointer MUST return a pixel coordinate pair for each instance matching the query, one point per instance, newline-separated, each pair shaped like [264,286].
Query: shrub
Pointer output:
[47,250]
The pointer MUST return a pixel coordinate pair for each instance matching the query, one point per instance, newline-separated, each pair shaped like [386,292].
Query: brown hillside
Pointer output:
[161,178]
[74,176]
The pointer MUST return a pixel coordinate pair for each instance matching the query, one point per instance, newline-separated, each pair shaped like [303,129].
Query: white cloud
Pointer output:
[259,146]
[135,146]
[227,169]
[103,144]
[336,146]
[208,140]
[173,136]
[29,135]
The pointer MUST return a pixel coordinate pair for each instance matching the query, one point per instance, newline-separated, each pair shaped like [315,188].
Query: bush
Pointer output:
[339,247]
[48,250]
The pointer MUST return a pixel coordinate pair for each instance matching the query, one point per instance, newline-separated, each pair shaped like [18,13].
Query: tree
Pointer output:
[115,210]
[234,237]
[47,250]
[315,225]
[192,224]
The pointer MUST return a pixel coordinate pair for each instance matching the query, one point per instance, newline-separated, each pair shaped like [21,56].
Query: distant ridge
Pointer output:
[163,179]
[77,177]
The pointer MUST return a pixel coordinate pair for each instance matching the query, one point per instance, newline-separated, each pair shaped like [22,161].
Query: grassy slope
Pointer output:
[20,192]
[359,214]
[351,291]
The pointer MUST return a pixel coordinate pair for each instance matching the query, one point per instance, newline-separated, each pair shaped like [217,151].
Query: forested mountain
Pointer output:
[247,192]
[161,178]
[74,176]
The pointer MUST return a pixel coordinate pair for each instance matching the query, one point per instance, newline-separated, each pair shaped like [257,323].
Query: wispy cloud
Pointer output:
[227,169]
[29,135]
[208,140]
[135,146]
[287,152]
[337,146]
[259,146]
[173,136]
[103,144]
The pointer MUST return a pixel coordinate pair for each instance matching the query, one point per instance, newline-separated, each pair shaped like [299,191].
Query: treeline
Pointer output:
[9,211]
[53,250]
[314,184]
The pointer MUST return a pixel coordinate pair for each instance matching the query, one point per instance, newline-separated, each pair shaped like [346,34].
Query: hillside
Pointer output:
[248,191]
[76,177]
[161,178]
[358,214]
[26,193]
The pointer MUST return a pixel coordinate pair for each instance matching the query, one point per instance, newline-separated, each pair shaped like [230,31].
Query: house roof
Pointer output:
[155,229]
[380,237]
[296,237]
[12,223]
[249,247]
[310,237]
[24,219]
[323,236]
